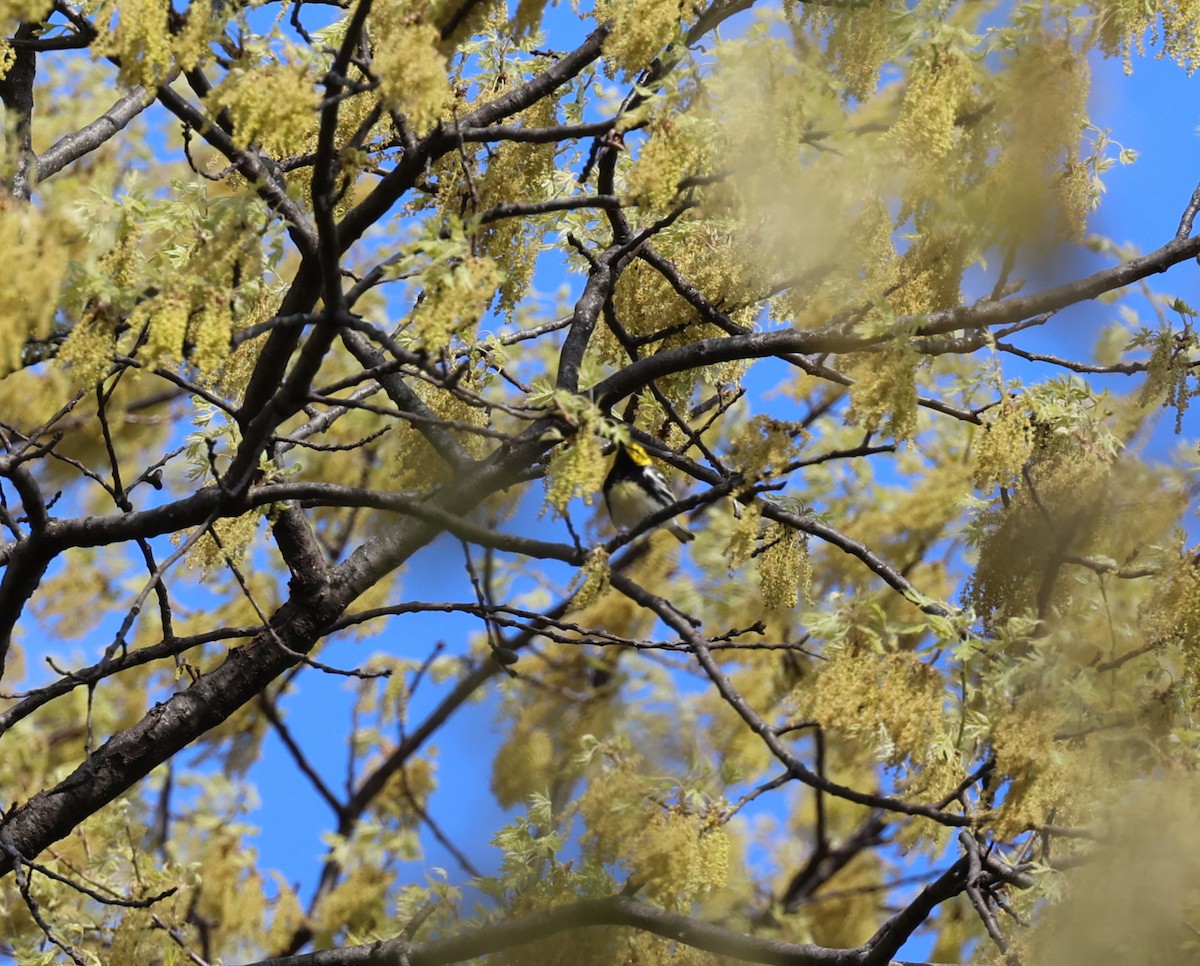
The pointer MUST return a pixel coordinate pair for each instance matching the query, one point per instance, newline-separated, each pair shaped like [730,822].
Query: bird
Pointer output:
[634,489]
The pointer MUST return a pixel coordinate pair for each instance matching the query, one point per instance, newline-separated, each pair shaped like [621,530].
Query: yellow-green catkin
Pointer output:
[13,10]
[87,351]
[456,296]
[1169,375]
[578,469]
[884,393]
[1006,445]
[165,318]
[676,148]
[34,254]
[784,568]
[517,173]
[892,701]
[210,332]
[1039,185]
[141,40]
[680,856]
[1123,26]
[236,535]
[674,858]
[593,579]
[525,763]
[411,70]
[1024,745]
[941,83]
[640,30]
[764,446]
[860,38]
[1170,616]
[743,534]
[136,33]
[191,44]
[274,105]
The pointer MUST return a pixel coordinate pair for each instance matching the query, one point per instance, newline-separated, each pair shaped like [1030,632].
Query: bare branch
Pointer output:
[617,910]
[686,629]
[78,144]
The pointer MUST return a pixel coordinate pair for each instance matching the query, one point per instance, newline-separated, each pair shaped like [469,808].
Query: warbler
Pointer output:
[634,489]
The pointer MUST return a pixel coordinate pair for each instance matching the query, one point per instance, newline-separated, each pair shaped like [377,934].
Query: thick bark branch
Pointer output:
[592,913]
[73,146]
[534,135]
[613,911]
[841,337]
[16,91]
[1017,308]
[130,755]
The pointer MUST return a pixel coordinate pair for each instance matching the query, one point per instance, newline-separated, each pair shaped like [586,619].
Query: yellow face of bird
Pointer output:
[638,454]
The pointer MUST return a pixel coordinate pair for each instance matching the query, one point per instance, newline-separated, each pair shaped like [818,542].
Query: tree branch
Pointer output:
[617,910]
[71,147]
[685,628]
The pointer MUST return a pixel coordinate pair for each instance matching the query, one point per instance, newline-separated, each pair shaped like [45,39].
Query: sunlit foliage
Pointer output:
[320,325]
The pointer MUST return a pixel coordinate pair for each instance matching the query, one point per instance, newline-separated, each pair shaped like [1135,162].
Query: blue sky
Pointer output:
[1154,112]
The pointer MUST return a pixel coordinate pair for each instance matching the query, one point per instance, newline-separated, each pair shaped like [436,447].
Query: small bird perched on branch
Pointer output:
[634,489]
